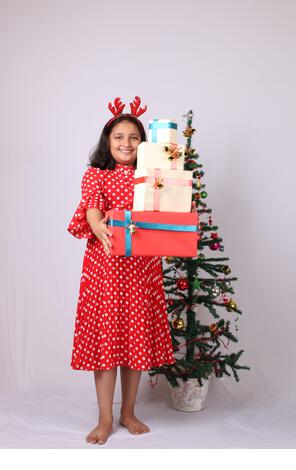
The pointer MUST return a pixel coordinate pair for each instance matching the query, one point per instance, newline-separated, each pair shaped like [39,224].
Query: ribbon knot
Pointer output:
[158,183]
[132,227]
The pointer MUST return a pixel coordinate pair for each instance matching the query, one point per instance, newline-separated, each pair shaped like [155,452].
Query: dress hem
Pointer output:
[125,364]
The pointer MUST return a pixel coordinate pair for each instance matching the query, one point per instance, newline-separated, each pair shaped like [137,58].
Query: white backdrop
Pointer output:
[233,63]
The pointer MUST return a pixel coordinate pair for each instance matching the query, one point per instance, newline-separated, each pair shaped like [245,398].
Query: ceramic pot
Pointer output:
[189,395]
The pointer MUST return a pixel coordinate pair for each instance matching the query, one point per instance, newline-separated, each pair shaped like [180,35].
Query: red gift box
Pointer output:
[148,233]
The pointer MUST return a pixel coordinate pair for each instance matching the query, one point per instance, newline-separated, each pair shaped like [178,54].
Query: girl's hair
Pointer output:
[100,156]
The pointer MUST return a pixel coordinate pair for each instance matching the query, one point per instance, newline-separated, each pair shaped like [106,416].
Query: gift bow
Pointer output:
[131,227]
[174,152]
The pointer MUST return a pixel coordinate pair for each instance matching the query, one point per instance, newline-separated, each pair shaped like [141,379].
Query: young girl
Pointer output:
[121,317]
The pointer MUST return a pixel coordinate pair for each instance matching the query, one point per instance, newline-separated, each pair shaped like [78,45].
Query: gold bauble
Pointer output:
[226,269]
[178,323]
[232,304]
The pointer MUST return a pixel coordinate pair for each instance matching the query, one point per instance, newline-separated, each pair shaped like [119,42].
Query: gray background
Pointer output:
[233,63]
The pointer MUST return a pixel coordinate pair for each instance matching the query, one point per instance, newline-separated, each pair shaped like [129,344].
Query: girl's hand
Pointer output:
[102,233]
[193,206]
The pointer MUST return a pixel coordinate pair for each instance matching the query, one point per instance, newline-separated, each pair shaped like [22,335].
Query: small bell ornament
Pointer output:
[178,323]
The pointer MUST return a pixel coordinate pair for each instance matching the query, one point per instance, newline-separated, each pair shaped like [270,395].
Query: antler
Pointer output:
[135,107]
[117,108]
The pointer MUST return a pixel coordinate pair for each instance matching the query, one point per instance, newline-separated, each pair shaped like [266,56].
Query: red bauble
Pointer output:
[182,283]
[214,235]
[170,302]
[215,246]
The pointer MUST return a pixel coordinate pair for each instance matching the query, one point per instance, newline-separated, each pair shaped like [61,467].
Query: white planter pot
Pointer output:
[189,396]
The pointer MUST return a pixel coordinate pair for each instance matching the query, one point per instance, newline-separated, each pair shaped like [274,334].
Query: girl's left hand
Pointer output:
[193,206]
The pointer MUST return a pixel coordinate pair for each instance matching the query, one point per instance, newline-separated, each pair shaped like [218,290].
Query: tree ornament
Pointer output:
[178,323]
[227,284]
[198,184]
[214,328]
[215,246]
[197,196]
[231,305]
[169,259]
[226,269]
[214,235]
[203,194]
[215,291]
[197,283]
[188,132]
[182,283]
[170,302]
[210,220]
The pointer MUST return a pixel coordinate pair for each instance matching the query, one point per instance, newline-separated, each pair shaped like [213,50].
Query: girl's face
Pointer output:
[123,141]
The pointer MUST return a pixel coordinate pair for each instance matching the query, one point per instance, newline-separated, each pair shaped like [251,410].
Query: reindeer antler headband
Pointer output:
[118,107]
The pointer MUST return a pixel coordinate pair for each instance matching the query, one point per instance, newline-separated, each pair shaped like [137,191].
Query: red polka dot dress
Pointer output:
[121,316]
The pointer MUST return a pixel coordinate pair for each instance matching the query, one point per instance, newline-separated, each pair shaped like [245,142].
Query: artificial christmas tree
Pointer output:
[190,285]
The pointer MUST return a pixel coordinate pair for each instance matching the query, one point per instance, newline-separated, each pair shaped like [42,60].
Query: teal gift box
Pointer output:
[162,130]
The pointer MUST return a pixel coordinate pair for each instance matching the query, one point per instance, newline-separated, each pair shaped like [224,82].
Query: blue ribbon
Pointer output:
[155,226]
[155,125]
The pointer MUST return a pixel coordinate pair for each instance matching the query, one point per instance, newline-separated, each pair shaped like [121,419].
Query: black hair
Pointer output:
[100,156]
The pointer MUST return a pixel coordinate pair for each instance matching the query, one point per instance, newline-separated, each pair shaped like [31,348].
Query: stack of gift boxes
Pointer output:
[161,222]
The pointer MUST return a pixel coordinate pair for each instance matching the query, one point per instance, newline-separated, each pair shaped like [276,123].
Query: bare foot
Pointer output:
[100,433]
[134,425]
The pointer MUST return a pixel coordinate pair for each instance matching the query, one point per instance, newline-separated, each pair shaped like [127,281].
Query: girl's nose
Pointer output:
[126,142]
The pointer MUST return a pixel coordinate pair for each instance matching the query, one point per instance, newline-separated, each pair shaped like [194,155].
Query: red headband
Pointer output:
[118,107]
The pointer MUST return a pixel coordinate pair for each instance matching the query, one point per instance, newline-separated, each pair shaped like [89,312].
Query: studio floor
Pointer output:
[36,419]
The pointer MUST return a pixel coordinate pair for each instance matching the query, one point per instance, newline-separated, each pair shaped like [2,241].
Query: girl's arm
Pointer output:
[93,217]
[98,224]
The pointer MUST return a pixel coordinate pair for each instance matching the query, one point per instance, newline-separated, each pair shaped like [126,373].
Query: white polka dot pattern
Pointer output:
[121,314]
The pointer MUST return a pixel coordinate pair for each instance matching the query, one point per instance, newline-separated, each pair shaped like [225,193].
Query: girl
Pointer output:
[121,317]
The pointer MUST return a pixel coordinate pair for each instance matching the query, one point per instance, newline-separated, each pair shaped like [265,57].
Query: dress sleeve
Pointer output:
[91,197]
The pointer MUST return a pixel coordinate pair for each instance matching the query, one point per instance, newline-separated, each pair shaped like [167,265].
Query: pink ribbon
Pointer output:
[174,164]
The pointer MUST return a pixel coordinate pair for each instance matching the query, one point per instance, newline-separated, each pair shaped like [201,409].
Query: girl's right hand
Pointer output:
[102,233]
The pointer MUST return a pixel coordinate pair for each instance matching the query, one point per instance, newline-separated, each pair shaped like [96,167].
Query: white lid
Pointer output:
[164,120]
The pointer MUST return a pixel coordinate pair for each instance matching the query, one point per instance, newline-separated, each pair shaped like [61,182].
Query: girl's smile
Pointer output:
[123,141]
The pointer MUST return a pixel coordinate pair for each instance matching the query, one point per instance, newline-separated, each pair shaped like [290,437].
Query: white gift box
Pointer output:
[162,190]
[162,130]
[160,155]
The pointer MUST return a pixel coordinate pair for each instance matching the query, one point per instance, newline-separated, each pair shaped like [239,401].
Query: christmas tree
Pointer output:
[204,282]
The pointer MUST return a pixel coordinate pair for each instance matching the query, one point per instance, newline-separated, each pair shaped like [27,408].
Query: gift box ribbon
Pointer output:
[153,179]
[155,125]
[131,228]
